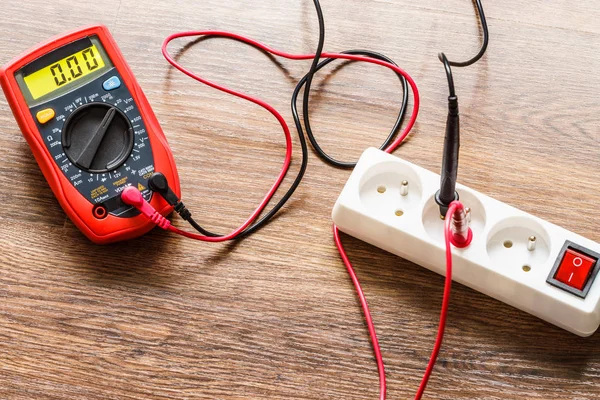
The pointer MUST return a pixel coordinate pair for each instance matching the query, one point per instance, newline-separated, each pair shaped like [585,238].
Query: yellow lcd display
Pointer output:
[67,70]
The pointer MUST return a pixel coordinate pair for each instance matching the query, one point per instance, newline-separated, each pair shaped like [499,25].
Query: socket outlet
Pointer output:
[498,263]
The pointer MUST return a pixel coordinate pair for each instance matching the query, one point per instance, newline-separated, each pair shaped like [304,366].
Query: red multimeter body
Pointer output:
[91,130]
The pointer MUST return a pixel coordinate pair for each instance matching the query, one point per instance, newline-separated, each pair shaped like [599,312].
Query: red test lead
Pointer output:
[452,238]
[255,214]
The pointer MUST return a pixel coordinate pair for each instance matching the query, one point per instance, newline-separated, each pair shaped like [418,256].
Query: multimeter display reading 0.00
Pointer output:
[62,72]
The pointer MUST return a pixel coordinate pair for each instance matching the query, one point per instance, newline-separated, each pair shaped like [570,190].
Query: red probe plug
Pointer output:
[461,234]
[133,197]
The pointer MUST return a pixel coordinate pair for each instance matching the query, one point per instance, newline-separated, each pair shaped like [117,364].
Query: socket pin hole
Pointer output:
[399,213]
[526,268]
[381,189]
[508,244]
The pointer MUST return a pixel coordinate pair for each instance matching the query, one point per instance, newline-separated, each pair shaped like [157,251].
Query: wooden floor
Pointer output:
[275,316]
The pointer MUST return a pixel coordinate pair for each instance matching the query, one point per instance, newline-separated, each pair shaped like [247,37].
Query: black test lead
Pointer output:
[447,193]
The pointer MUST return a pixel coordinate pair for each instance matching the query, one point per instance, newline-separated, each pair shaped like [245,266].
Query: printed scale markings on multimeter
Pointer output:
[89,122]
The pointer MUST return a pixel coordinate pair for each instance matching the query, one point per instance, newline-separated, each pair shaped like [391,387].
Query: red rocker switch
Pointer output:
[575,269]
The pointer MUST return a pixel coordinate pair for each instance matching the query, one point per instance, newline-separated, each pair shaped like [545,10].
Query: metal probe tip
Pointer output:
[460,227]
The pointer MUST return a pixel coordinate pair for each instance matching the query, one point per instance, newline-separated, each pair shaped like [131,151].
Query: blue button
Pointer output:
[111,83]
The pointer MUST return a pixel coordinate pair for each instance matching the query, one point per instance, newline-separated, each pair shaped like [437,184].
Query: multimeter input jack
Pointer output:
[99,211]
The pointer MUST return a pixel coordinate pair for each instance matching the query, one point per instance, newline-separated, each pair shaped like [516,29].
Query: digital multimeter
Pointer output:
[91,130]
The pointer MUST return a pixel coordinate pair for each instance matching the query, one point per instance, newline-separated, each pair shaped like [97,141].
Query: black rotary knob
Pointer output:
[97,138]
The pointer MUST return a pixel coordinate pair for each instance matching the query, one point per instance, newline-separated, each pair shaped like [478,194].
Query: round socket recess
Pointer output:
[381,190]
[434,225]
[507,244]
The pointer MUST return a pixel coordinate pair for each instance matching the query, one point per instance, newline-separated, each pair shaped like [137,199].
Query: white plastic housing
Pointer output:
[497,263]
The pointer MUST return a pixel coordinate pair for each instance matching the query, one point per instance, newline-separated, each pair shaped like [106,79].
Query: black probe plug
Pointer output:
[447,193]
[158,183]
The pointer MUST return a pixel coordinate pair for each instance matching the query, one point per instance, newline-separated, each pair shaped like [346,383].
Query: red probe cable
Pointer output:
[289,56]
[130,195]
[275,113]
[454,207]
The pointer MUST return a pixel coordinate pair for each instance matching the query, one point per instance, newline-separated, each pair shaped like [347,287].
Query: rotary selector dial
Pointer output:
[97,138]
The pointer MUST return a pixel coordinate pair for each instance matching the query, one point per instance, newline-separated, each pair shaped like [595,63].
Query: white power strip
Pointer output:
[514,257]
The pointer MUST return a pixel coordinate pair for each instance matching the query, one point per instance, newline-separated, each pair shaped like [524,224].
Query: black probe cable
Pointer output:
[341,164]
[304,163]
[449,173]
[486,37]
[484,45]
[306,82]
[316,67]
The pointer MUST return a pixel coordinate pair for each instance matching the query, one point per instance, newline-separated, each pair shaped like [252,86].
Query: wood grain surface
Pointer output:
[275,316]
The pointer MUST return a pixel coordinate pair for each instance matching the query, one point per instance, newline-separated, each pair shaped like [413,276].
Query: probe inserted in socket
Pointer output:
[447,193]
